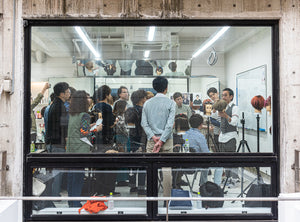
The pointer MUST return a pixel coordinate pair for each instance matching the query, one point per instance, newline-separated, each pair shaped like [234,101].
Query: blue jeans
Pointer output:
[218,175]
[75,184]
[203,176]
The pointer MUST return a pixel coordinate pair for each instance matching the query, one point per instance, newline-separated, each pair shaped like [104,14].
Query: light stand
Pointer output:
[258,179]
[257,126]
[242,144]
[209,136]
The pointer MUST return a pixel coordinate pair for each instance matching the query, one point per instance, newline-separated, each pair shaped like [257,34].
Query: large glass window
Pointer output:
[200,96]
[193,59]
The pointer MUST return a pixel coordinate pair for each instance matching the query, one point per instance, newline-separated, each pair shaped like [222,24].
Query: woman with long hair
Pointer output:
[79,129]
[121,130]
[104,140]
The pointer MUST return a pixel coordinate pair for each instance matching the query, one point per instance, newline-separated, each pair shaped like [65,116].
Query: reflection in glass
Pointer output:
[218,182]
[88,57]
[89,182]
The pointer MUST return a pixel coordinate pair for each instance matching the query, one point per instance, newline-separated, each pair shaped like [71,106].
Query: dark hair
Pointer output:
[258,102]
[205,103]
[110,69]
[119,108]
[52,96]
[181,122]
[160,84]
[229,91]
[137,96]
[131,115]
[120,90]
[172,66]
[43,111]
[60,87]
[159,69]
[177,95]
[72,90]
[196,120]
[212,90]
[79,103]
[102,92]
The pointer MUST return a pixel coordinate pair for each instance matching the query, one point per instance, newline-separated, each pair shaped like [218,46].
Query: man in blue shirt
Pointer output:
[158,118]
[197,141]
[157,121]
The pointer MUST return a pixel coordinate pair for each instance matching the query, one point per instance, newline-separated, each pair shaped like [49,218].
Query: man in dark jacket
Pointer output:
[57,129]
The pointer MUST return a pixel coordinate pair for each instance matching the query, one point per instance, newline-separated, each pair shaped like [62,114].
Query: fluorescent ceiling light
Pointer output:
[151,33]
[210,41]
[146,54]
[87,41]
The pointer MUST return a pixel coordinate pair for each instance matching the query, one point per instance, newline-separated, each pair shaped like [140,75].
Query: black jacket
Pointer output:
[106,135]
[137,134]
[57,128]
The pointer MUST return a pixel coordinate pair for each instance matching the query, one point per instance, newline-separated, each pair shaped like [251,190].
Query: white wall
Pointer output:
[52,67]
[252,53]
[201,85]
[201,68]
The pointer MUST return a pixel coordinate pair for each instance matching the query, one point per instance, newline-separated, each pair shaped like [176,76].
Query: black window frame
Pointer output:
[271,159]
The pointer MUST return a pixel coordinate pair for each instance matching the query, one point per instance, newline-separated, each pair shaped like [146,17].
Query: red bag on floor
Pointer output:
[94,206]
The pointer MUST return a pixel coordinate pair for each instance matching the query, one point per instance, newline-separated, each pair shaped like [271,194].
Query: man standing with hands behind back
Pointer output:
[157,120]
[229,121]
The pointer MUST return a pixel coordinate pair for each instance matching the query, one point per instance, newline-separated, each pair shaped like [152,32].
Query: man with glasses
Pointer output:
[229,121]
[123,94]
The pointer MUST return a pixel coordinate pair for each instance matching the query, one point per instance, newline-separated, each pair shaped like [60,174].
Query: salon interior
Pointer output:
[87,57]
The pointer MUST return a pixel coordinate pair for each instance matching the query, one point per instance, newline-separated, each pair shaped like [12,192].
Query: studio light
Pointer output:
[151,33]
[146,54]
[87,41]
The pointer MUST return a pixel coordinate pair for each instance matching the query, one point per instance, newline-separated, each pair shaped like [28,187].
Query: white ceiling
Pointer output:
[131,42]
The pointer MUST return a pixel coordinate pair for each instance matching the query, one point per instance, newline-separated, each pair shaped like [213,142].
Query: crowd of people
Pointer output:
[149,123]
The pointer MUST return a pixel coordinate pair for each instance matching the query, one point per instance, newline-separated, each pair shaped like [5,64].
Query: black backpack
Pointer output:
[210,189]
[259,190]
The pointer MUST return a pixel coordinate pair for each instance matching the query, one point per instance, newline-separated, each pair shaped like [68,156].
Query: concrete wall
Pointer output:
[287,11]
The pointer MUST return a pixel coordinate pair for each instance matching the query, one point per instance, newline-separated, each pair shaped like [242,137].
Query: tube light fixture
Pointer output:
[146,53]
[151,33]
[87,41]
[210,41]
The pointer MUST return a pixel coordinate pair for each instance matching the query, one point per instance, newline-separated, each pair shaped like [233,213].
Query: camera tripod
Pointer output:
[209,136]
[242,144]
